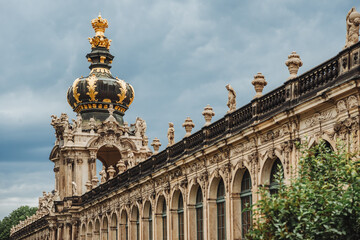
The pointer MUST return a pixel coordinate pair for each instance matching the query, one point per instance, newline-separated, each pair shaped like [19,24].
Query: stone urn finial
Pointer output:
[188,125]
[88,186]
[208,113]
[259,83]
[94,181]
[293,63]
[156,145]
[111,171]
[121,166]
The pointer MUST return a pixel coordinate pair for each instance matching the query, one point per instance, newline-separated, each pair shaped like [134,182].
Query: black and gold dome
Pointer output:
[91,96]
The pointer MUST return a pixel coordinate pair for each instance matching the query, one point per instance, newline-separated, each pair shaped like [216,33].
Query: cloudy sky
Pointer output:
[178,55]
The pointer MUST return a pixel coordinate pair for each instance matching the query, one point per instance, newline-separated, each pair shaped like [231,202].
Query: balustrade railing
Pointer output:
[268,105]
[319,76]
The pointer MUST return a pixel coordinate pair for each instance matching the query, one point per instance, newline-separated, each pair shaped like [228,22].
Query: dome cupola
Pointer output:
[91,96]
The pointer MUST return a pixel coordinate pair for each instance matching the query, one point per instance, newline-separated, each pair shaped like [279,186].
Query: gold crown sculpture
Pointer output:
[99,40]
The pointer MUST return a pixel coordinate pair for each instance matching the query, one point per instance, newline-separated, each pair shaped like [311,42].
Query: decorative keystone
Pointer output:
[188,125]
[208,113]
[111,171]
[259,84]
[156,145]
[293,63]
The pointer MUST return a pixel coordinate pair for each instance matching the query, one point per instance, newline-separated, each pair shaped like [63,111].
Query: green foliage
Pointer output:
[13,219]
[321,202]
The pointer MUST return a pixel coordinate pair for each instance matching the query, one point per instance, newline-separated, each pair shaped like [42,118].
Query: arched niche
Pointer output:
[108,155]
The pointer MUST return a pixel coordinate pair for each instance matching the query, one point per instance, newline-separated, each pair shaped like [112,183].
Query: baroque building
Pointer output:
[196,188]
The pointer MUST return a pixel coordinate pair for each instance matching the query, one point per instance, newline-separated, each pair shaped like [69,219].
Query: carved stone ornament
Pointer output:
[274,134]
[322,116]
[352,102]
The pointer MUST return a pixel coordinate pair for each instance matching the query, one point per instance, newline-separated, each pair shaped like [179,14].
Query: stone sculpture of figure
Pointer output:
[231,99]
[352,27]
[74,188]
[171,134]
[77,123]
[131,158]
[102,173]
[140,126]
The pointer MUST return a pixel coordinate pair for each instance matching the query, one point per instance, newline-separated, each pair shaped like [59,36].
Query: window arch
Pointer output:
[180,212]
[164,221]
[221,215]
[199,215]
[276,168]
[246,201]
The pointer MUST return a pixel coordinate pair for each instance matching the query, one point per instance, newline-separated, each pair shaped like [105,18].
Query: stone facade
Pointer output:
[149,196]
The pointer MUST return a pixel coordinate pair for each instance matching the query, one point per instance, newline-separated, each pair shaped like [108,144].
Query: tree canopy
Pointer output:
[13,219]
[321,202]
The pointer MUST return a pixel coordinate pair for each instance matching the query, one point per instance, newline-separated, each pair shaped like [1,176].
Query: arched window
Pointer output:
[221,215]
[180,213]
[150,224]
[164,224]
[199,215]
[137,225]
[276,168]
[246,201]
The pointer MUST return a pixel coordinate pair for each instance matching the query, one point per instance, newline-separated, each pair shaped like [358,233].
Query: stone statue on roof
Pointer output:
[352,27]
[231,99]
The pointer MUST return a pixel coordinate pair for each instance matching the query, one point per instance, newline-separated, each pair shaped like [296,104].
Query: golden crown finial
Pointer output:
[99,24]
[99,40]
